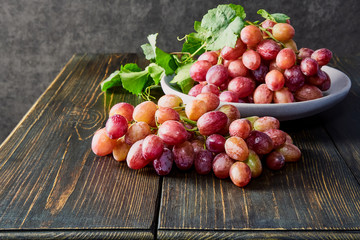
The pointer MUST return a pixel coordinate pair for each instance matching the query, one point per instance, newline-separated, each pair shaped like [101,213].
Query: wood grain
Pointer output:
[49,177]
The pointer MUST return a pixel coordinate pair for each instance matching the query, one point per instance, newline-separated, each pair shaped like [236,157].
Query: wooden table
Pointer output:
[53,186]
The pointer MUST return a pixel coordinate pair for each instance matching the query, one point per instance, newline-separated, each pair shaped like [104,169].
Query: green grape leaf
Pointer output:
[183,78]
[265,14]
[149,49]
[113,80]
[166,61]
[134,82]
[280,17]
[239,10]
[130,67]
[156,72]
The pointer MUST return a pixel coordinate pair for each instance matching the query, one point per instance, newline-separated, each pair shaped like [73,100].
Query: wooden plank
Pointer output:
[317,193]
[49,177]
[342,121]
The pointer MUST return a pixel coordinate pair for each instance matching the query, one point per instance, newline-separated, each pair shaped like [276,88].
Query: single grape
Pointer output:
[196,90]
[318,79]
[237,68]
[268,24]
[228,96]
[145,112]
[124,109]
[283,96]
[291,152]
[307,92]
[199,70]
[136,132]
[277,136]
[170,101]
[211,57]
[305,53]
[240,174]
[260,73]
[240,128]
[286,58]
[163,164]
[242,86]
[265,123]
[215,143]
[203,162]
[211,100]
[231,111]
[101,144]
[212,122]
[268,49]
[197,145]
[116,126]
[152,147]
[135,158]
[294,78]
[195,109]
[251,59]
[164,114]
[259,142]
[309,66]
[236,148]
[251,35]
[211,88]
[217,75]
[288,139]
[172,132]
[121,150]
[275,161]
[291,44]
[326,84]
[322,56]
[254,163]
[274,80]
[184,155]
[221,165]
[263,94]
[229,53]
[283,32]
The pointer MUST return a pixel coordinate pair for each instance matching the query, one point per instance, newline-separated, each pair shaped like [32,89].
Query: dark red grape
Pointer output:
[163,164]
[275,161]
[215,143]
[259,142]
[184,155]
[294,78]
[221,165]
[203,162]
[212,122]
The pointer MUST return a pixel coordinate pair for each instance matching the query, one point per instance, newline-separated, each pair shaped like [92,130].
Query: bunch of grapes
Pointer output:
[263,67]
[198,134]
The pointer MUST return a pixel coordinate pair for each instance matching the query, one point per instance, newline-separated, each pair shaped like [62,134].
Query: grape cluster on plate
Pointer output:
[263,67]
[198,135]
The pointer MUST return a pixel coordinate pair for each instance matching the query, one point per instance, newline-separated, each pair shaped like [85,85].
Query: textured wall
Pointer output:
[38,37]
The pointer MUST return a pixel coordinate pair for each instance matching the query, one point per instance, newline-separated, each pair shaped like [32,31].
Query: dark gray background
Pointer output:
[38,37]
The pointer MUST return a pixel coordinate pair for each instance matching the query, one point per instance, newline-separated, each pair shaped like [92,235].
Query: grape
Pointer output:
[283,96]
[305,53]
[136,132]
[199,70]
[275,161]
[291,44]
[231,111]
[224,86]
[211,57]
[283,32]
[259,142]
[260,73]
[263,94]
[277,136]
[164,113]
[309,66]
[196,90]
[268,49]
[116,126]
[326,84]
[236,148]
[273,66]
[124,109]
[211,100]
[307,92]
[203,162]
[251,35]
[286,58]
[163,164]
[215,143]
[221,165]
[318,79]
[197,145]
[195,109]
[288,139]
[237,68]
[135,159]
[322,56]
[294,78]
[228,96]
[121,150]
[274,80]
[184,155]
[211,122]
[217,75]
[229,53]
[211,88]
[172,132]
[251,59]
[152,147]
[240,174]
[268,24]
[265,123]
[254,163]
[145,112]
[242,86]
[291,152]
[101,144]
[170,101]
[240,128]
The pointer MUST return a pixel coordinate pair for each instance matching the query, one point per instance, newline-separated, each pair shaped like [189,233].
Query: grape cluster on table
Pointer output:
[263,67]
[197,135]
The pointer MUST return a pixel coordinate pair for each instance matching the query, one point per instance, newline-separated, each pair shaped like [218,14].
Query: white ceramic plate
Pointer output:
[340,86]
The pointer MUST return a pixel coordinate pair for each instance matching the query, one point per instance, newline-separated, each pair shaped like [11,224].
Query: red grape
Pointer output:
[242,86]
[322,56]
[294,78]
[172,132]
[221,165]
[116,126]
[152,147]
[124,109]
[228,96]
[236,148]
[259,142]
[251,35]
[101,144]
[251,59]
[211,57]
[135,158]
[212,122]
[240,128]
[237,68]
[240,174]
[163,164]
[217,75]
[268,49]
[199,69]
[203,162]
[275,161]
[184,155]
[215,143]
[286,58]
[309,66]
[229,53]
[263,94]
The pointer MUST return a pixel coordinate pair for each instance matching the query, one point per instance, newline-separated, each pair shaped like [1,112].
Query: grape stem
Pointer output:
[188,121]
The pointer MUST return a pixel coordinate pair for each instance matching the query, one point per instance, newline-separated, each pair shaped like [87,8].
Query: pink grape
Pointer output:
[211,88]
[283,96]
[291,152]
[236,148]
[286,58]
[277,136]
[199,70]
[326,84]
[242,86]
[237,68]
[240,174]
[318,79]
[251,35]
[172,132]
[116,126]
[211,100]
[307,92]
[211,57]
[274,80]
[217,75]
[124,109]
[196,90]
[265,123]
[268,49]
[229,53]
[231,111]
[101,144]
[305,52]
[309,66]
[240,128]
[164,114]
[164,163]
[135,158]
[212,122]
[184,155]
[228,96]
[169,101]
[251,59]
[145,112]
[221,165]
[322,56]
[152,147]
[136,132]
[263,94]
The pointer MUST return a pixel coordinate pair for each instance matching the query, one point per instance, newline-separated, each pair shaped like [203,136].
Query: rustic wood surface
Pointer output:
[53,186]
